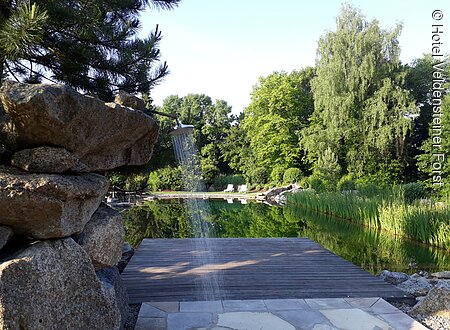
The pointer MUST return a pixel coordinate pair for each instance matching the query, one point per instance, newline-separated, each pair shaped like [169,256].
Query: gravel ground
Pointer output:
[432,322]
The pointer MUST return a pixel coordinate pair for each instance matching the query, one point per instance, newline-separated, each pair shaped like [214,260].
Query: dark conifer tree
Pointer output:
[89,45]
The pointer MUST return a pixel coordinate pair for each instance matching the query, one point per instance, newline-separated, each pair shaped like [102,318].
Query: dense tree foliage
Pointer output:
[359,117]
[280,108]
[360,99]
[89,45]
[212,122]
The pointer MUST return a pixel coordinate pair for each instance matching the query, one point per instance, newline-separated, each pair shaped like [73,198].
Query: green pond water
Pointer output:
[371,250]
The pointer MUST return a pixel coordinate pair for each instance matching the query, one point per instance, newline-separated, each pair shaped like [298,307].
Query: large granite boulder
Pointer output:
[110,277]
[436,303]
[103,237]
[48,205]
[101,135]
[47,160]
[52,285]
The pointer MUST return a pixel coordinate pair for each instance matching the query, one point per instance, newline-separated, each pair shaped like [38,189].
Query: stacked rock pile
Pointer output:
[432,293]
[59,244]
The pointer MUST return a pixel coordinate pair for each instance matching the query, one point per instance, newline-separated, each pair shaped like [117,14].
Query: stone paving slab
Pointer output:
[275,314]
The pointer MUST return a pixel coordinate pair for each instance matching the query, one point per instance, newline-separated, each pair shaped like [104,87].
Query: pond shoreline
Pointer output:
[204,195]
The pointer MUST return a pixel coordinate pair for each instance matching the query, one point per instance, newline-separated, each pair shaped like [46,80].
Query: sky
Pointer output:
[221,47]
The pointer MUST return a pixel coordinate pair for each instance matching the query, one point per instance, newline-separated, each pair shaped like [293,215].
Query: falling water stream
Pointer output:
[197,211]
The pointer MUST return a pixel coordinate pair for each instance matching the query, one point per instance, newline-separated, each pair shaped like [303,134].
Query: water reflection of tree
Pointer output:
[155,220]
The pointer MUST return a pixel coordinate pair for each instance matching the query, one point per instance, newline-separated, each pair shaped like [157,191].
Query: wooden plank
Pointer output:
[256,268]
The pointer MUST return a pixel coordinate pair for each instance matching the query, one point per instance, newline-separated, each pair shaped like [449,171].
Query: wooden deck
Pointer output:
[268,268]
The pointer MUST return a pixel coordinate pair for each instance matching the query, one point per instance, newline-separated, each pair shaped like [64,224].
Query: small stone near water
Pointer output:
[276,191]
[127,253]
[126,248]
[443,275]
[416,285]
[5,234]
[103,237]
[393,277]
[47,160]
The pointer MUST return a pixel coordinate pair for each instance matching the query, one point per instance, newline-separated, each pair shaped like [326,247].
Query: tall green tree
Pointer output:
[236,150]
[360,99]
[280,108]
[89,45]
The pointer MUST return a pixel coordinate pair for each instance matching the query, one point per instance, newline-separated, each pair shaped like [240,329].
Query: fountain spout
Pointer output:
[181,129]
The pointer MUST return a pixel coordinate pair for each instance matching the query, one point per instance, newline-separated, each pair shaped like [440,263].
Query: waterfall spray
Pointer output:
[197,210]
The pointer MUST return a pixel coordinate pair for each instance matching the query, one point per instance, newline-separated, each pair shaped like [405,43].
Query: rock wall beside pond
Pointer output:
[59,245]
[432,293]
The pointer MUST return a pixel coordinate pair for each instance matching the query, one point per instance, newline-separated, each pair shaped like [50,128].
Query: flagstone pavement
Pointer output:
[275,314]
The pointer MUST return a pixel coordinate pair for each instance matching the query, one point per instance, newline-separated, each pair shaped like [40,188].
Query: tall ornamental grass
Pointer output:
[387,210]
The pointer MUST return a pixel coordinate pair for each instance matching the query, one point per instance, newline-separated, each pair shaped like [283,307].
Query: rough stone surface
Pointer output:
[444,275]
[416,285]
[127,253]
[281,197]
[48,205]
[52,285]
[129,100]
[5,234]
[393,277]
[436,303]
[111,279]
[271,193]
[103,237]
[7,137]
[47,160]
[101,135]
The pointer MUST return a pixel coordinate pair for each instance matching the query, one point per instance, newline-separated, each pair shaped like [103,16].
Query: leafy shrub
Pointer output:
[346,183]
[167,178]
[317,183]
[369,189]
[135,182]
[304,183]
[257,175]
[292,175]
[276,176]
[117,180]
[221,182]
[414,191]
[209,173]
[327,167]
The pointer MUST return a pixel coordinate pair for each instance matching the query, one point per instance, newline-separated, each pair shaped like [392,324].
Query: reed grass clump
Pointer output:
[387,210]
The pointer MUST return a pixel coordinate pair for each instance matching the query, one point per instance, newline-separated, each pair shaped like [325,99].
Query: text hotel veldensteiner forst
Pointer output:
[437,96]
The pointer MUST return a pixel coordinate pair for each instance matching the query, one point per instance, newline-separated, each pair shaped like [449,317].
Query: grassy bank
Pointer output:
[423,222]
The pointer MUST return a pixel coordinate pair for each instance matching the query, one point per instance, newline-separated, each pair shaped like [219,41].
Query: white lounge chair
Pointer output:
[230,188]
[242,188]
